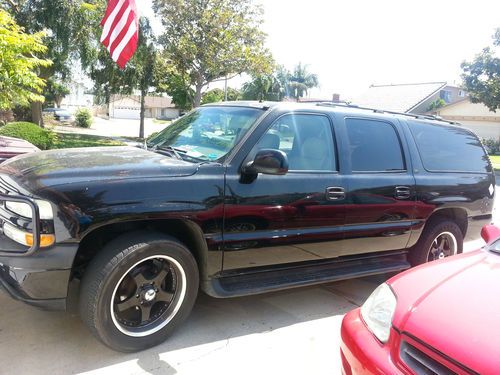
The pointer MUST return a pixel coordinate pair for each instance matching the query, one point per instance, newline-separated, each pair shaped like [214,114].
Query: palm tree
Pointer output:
[301,81]
[262,87]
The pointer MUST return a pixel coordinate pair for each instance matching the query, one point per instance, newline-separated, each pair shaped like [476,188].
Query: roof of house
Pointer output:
[398,97]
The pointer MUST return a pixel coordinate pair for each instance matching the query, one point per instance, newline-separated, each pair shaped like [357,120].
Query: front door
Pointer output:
[298,217]
[380,203]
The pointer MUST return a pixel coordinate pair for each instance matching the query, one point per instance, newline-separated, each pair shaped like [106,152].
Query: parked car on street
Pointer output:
[10,147]
[439,318]
[237,198]
[60,114]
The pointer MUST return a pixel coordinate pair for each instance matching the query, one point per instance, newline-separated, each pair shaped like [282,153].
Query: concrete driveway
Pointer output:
[290,332]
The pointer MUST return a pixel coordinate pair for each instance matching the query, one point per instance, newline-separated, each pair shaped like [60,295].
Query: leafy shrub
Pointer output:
[49,120]
[83,118]
[492,145]
[42,138]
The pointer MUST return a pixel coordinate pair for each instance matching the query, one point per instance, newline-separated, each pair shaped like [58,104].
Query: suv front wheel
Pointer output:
[440,238]
[138,289]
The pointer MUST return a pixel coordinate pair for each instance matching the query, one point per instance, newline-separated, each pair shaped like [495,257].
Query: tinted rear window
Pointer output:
[448,148]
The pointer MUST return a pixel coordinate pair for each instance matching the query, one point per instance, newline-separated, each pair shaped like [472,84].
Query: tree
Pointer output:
[176,84]
[19,82]
[217,95]
[107,77]
[55,92]
[140,73]
[142,65]
[263,87]
[438,103]
[481,77]
[67,29]
[212,96]
[300,81]
[233,94]
[210,40]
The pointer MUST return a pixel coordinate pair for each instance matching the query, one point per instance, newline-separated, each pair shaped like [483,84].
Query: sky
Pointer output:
[352,44]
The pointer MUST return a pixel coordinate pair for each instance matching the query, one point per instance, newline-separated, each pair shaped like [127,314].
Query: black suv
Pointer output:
[238,198]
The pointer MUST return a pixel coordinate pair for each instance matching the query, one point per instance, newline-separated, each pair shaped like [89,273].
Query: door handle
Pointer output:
[335,193]
[402,192]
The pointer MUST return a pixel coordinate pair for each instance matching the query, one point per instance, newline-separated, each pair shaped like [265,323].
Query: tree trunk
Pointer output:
[143,110]
[107,100]
[197,95]
[36,113]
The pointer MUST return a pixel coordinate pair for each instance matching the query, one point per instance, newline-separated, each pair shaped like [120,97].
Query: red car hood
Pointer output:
[454,306]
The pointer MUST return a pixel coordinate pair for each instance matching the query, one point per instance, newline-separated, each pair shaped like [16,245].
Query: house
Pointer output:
[78,96]
[129,107]
[409,97]
[475,116]
[79,86]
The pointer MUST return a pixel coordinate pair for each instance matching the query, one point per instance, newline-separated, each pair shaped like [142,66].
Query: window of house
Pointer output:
[445,95]
[306,139]
[374,146]
[461,93]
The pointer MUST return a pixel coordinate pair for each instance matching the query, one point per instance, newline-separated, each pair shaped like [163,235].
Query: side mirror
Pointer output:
[489,233]
[267,161]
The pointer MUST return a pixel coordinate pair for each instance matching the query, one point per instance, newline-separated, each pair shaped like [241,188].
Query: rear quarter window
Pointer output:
[448,148]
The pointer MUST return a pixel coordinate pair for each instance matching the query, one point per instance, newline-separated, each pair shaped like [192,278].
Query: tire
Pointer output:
[136,276]
[437,229]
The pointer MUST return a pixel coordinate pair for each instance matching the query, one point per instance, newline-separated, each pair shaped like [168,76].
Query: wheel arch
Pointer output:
[455,214]
[186,231]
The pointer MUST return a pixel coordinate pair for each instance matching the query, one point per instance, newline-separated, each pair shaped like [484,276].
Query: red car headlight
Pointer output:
[378,310]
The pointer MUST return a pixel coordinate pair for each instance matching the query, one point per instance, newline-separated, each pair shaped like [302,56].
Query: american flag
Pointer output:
[120,28]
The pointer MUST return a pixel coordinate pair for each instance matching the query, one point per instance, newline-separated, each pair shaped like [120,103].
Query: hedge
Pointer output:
[42,138]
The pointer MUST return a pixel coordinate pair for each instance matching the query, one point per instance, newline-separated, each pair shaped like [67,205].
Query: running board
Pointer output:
[304,275]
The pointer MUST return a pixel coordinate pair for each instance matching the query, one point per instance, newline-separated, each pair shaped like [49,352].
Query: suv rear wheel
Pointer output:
[440,238]
[138,289]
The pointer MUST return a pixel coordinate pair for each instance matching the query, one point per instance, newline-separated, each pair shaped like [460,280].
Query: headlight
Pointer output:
[26,238]
[378,310]
[23,209]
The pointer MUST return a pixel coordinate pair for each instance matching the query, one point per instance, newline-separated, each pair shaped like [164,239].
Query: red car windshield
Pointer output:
[495,246]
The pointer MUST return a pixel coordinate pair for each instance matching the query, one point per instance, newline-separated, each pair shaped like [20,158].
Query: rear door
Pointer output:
[380,204]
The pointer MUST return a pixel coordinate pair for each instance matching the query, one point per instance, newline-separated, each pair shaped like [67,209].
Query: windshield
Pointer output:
[208,133]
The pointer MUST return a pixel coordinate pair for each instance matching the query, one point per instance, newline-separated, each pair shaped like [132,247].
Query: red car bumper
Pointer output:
[362,353]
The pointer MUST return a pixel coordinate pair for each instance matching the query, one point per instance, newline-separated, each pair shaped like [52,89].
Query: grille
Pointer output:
[421,363]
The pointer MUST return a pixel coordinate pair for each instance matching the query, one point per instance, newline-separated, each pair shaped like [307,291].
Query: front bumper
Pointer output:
[362,353]
[40,279]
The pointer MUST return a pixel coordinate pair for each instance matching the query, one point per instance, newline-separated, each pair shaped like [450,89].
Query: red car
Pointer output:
[439,318]
[10,147]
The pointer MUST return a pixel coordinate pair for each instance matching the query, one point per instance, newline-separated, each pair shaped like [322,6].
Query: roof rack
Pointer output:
[375,110]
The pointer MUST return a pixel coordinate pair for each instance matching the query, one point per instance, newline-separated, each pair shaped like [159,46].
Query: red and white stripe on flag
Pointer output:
[120,30]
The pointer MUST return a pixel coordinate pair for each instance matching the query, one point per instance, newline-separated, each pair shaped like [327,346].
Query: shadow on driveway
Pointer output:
[34,341]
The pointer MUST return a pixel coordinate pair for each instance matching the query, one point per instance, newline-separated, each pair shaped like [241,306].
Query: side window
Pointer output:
[306,139]
[448,148]
[374,146]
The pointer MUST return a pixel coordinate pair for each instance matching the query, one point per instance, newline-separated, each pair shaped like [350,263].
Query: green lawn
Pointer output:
[70,140]
[161,122]
[495,160]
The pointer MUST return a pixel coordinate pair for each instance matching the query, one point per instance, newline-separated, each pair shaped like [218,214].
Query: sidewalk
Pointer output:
[114,128]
